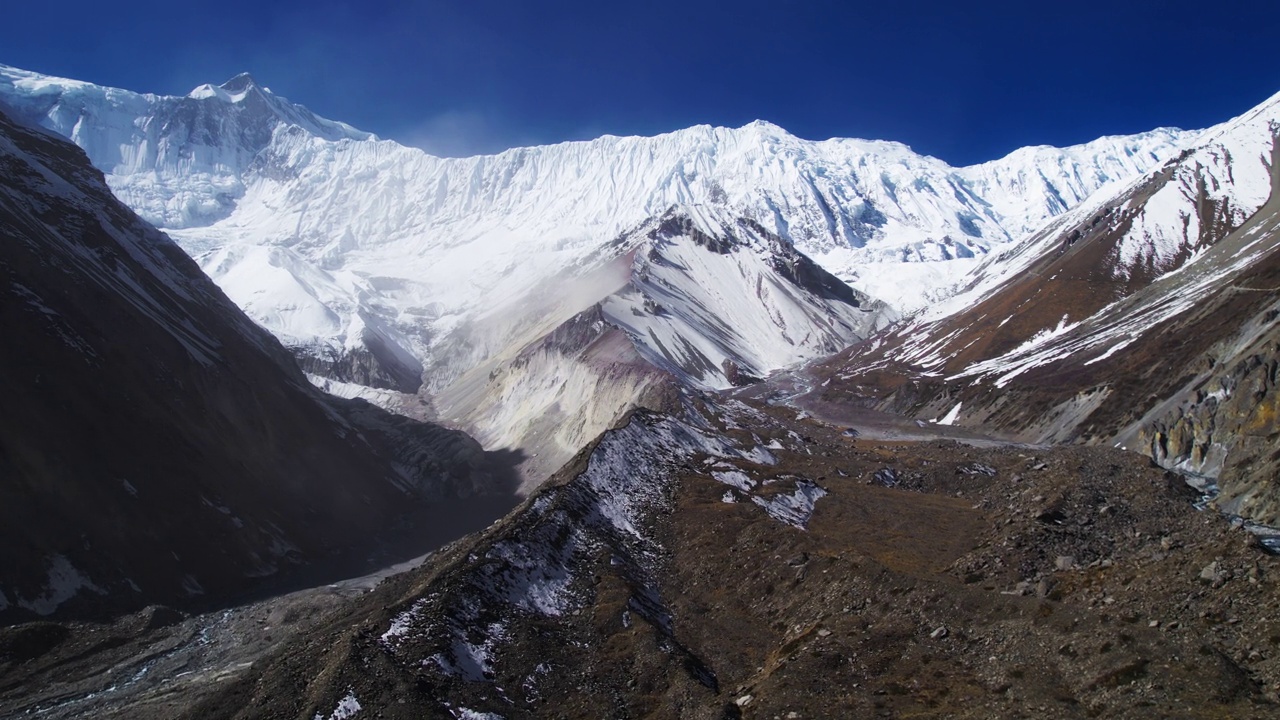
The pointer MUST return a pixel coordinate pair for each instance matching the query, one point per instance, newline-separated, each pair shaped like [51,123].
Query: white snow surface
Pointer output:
[385,399]
[690,309]
[794,509]
[736,478]
[1232,160]
[469,714]
[324,233]
[952,415]
[65,582]
[401,624]
[347,708]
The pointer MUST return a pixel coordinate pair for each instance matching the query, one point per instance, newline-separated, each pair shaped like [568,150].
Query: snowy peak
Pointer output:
[177,161]
[691,297]
[711,298]
[1032,185]
[240,84]
[372,260]
[232,91]
[210,91]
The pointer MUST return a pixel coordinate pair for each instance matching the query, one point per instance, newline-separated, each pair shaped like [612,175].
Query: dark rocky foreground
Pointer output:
[922,579]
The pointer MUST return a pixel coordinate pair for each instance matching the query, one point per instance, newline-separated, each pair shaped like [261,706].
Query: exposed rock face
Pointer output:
[156,445]
[1146,320]
[362,366]
[1228,429]
[736,376]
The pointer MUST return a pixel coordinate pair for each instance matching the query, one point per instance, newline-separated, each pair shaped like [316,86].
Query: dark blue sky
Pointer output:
[963,81]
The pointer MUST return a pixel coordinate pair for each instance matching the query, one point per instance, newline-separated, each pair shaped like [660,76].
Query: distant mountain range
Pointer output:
[1146,317]
[385,268]
[788,418]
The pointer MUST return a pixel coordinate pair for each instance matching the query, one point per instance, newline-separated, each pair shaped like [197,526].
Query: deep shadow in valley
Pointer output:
[418,533]
[152,662]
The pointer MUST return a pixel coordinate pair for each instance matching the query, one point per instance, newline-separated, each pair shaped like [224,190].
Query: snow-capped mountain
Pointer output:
[692,297]
[380,265]
[177,161]
[1144,318]
[368,236]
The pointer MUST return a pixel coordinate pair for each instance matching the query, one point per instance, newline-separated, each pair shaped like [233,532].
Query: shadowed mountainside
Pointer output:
[157,446]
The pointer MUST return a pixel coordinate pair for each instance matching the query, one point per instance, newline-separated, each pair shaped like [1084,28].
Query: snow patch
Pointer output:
[735,478]
[347,707]
[794,509]
[401,624]
[64,583]
[472,661]
[468,714]
[951,416]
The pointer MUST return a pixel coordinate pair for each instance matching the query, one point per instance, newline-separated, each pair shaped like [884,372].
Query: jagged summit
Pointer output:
[374,261]
[240,83]
[232,91]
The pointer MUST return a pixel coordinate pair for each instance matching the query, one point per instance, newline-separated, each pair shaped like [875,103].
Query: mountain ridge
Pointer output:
[375,263]
[1144,319]
[157,446]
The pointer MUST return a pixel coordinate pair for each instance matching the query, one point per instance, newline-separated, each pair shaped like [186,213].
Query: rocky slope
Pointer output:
[1146,319]
[731,560]
[159,447]
[772,551]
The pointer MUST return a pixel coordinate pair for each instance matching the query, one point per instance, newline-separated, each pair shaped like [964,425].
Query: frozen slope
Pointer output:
[689,299]
[1031,185]
[367,257]
[712,299]
[177,161]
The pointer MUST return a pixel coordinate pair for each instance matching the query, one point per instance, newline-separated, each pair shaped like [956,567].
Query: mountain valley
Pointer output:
[721,423]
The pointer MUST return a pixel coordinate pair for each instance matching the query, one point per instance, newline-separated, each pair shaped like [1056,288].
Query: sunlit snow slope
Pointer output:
[366,254]
[688,298]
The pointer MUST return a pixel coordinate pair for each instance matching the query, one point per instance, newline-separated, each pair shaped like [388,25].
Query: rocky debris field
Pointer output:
[153,663]
[906,579]
[159,661]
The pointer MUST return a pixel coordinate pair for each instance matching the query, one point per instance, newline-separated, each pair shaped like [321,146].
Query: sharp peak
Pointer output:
[240,83]
[763,125]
